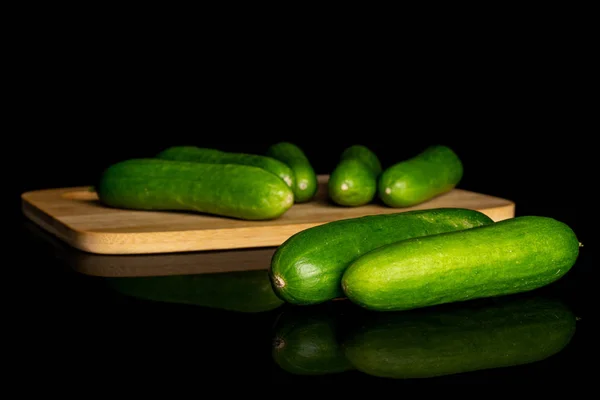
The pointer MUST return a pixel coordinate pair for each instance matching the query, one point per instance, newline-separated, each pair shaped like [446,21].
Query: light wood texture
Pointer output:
[77,217]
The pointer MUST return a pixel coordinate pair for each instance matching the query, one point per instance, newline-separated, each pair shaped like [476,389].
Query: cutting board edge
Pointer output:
[113,243]
[120,243]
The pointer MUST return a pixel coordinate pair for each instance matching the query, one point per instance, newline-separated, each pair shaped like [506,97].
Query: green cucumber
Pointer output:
[509,256]
[214,156]
[240,291]
[351,184]
[364,154]
[353,181]
[307,268]
[305,178]
[306,343]
[431,173]
[442,341]
[231,190]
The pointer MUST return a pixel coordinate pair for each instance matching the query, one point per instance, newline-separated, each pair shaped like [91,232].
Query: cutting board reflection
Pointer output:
[146,265]
[77,217]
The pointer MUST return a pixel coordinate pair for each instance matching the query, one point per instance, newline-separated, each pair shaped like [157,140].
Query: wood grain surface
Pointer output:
[75,216]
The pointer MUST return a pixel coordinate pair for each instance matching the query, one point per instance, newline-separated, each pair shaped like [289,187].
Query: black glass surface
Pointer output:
[213,315]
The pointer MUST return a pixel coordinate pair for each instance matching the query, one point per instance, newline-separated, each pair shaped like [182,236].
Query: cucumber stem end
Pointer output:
[279,282]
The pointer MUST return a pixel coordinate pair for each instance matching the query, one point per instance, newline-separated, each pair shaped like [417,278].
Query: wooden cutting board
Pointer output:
[77,217]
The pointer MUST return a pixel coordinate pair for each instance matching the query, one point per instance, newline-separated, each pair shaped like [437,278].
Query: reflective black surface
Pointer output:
[217,317]
[516,109]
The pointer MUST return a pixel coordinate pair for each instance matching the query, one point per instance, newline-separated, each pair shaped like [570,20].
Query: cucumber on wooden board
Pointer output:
[509,256]
[305,179]
[306,342]
[307,268]
[231,190]
[214,156]
[351,184]
[461,338]
[433,172]
[353,181]
[240,291]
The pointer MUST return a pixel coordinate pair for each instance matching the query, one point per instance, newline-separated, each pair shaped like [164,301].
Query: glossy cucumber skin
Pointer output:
[207,155]
[307,268]
[306,343]
[509,256]
[231,190]
[352,183]
[441,341]
[305,178]
[433,172]
[364,154]
[240,291]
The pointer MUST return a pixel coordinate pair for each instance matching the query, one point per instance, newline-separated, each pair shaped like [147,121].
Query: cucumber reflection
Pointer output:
[424,343]
[306,342]
[234,280]
[242,291]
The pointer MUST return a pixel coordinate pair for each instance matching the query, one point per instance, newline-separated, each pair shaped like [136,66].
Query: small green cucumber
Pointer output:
[431,173]
[441,341]
[351,184]
[509,256]
[353,181]
[364,154]
[306,343]
[307,268]
[214,156]
[305,178]
[231,190]
[240,291]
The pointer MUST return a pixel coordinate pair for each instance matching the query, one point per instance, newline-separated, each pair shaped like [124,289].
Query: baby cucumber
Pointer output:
[231,190]
[214,156]
[307,268]
[352,184]
[305,178]
[510,256]
[353,181]
[433,172]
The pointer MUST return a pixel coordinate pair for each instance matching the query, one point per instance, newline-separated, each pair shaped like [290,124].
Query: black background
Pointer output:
[514,100]
[515,104]
[521,125]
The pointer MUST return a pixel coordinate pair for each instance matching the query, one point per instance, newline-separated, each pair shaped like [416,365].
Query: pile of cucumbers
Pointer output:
[265,186]
[399,261]
[416,258]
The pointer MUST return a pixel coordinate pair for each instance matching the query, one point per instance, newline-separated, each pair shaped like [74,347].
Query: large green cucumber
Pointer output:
[431,173]
[353,181]
[467,337]
[214,156]
[305,178]
[231,190]
[240,291]
[306,342]
[510,256]
[307,268]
